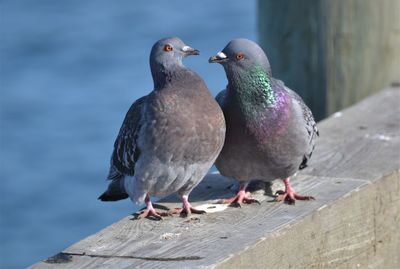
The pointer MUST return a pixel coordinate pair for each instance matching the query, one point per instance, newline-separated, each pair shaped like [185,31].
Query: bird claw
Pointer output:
[240,199]
[291,197]
[248,201]
[152,214]
[185,212]
[235,204]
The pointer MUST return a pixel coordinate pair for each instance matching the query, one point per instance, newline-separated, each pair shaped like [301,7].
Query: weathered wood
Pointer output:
[333,53]
[360,230]
[354,221]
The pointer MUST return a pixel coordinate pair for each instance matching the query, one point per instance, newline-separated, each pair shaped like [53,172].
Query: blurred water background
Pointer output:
[69,70]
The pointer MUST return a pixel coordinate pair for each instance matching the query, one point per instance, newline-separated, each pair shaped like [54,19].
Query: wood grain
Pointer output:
[353,222]
[362,141]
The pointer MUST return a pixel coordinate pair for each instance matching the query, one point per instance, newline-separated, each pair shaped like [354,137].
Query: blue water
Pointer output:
[69,71]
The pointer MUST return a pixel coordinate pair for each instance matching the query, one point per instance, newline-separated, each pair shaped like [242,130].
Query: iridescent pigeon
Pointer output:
[270,132]
[169,138]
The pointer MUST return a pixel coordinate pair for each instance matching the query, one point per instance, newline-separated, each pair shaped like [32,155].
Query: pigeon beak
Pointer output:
[190,51]
[219,58]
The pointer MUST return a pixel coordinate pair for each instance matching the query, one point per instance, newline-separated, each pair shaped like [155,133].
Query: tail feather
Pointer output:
[106,197]
[115,192]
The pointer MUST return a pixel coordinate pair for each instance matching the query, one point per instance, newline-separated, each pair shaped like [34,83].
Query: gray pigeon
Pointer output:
[169,138]
[270,132]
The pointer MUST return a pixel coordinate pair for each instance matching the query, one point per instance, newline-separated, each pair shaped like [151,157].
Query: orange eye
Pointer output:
[239,56]
[168,48]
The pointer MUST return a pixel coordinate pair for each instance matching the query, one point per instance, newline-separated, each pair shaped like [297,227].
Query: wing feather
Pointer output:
[310,124]
[126,151]
[220,98]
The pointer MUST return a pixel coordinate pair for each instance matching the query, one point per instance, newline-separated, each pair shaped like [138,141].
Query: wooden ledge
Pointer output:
[354,221]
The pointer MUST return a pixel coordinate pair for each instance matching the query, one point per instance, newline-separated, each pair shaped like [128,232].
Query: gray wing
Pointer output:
[310,124]
[126,151]
[220,98]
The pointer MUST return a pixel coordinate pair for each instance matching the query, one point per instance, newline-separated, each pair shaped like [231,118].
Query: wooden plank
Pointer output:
[353,221]
[361,230]
[334,53]
[173,238]
[362,141]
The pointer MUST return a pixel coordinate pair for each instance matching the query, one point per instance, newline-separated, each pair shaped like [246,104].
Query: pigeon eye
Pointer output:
[239,56]
[168,48]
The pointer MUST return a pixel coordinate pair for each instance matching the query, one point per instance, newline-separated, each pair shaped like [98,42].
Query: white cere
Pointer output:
[221,55]
[186,48]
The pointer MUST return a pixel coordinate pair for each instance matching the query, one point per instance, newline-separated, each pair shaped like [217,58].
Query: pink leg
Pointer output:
[187,208]
[289,195]
[241,197]
[150,211]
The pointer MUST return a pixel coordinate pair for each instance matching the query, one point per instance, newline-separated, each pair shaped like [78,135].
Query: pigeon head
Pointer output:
[241,55]
[168,53]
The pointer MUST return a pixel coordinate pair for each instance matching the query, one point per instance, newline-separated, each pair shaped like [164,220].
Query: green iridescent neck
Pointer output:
[254,87]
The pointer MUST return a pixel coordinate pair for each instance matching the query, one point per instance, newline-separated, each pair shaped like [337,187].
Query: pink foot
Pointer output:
[242,197]
[186,209]
[289,195]
[151,212]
